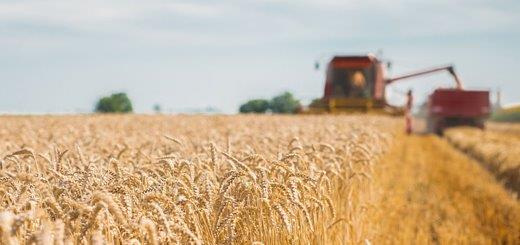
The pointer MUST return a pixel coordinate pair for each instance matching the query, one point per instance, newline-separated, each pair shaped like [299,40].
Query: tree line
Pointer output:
[283,103]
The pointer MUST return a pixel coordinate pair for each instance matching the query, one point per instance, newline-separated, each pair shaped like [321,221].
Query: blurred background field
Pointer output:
[510,114]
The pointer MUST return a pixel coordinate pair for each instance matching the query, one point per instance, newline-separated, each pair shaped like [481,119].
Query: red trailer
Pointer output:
[456,107]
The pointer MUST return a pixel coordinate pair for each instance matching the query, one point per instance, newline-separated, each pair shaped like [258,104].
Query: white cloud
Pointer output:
[196,10]
[256,21]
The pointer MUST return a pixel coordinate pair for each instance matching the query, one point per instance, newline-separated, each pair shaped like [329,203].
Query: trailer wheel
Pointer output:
[480,123]
[429,126]
[440,125]
[432,125]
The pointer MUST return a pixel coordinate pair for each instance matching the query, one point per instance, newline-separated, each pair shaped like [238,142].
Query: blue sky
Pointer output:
[61,55]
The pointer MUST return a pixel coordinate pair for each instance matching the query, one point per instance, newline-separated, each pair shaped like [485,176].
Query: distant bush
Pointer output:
[255,106]
[284,103]
[318,102]
[115,103]
[157,108]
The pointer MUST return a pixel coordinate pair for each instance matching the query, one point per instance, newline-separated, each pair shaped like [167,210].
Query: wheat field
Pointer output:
[249,179]
[211,180]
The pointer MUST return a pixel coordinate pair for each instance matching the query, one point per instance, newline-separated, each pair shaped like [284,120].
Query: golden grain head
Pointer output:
[190,179]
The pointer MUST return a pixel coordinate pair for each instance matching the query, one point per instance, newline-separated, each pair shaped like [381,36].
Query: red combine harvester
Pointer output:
[357,84]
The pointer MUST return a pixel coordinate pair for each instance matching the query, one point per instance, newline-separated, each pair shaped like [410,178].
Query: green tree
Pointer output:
[316,102]
[284,103]
[115,103]
[255,106]
[157,108]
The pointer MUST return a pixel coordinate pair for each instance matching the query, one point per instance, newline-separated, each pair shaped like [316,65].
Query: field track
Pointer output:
[432,193]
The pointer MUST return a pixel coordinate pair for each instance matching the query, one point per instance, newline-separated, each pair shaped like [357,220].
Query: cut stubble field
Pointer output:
[136,179]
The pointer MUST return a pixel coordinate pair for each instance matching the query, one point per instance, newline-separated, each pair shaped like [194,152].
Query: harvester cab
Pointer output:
[353,84]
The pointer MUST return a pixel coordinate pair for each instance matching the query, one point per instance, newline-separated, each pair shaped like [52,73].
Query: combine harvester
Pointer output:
[357,84]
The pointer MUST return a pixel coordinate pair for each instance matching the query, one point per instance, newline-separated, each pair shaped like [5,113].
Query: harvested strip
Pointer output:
[498,150]
[432,193]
